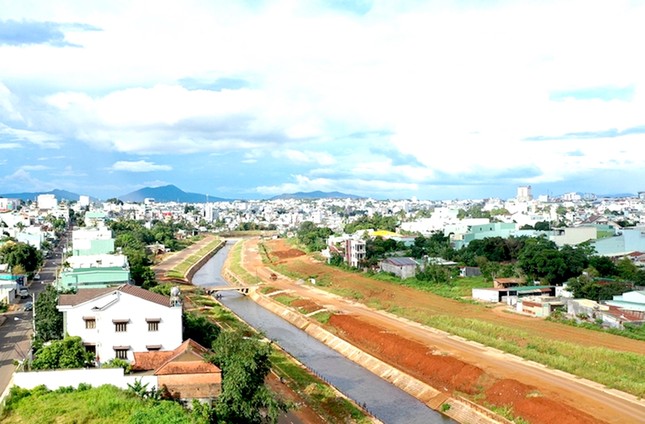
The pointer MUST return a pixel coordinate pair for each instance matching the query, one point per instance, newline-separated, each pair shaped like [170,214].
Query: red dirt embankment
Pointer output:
[449,364]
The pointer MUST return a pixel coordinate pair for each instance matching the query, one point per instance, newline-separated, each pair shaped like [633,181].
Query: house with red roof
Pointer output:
[184,373]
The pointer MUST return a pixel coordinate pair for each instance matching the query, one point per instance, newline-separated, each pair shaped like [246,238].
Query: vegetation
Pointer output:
[48,319]
[200,329]
[180,270]
[235,255]
[132,237]
[620,370]
[323,399]
[21,257]
[66,353]
[101,405]
[311,236]
[245,364]
[374,222]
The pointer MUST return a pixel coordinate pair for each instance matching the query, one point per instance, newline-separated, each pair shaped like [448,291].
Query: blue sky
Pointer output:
[433,99]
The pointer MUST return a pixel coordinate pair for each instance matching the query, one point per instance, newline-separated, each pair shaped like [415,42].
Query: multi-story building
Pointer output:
[118,321]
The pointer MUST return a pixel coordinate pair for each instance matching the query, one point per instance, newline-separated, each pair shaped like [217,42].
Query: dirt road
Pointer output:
[538,394]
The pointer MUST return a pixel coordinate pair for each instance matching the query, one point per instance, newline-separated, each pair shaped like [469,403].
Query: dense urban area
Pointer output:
[101,292]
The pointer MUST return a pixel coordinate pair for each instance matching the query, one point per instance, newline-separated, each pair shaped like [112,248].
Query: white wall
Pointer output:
[55,379]
[137,336]
[486,295]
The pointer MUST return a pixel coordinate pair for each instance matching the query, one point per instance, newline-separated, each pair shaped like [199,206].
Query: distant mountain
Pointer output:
[316,195]
[169,193]
[60,195]
[617,195]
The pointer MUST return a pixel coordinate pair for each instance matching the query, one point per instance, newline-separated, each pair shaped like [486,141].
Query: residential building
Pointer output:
[183,372]
[400,266]
[93,271]
[92,241]
[524,194]
[355,251]
[47,201]
[115,322]
[626,241]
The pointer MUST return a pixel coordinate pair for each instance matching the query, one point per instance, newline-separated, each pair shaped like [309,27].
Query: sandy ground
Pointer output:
[449,363]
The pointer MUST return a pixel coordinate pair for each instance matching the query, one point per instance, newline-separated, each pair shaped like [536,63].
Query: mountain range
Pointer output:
[172,193]
[60,195]
[169,193]
[316,195]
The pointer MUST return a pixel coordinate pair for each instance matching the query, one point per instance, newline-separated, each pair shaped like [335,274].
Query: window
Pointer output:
[153,324]
[121,353]
[120,327]
[90,322]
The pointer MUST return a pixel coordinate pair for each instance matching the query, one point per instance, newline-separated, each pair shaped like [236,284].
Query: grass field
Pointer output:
[235,259]
[100,405]
[182,268]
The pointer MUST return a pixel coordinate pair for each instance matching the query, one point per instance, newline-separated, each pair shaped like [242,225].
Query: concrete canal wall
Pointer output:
[460,410]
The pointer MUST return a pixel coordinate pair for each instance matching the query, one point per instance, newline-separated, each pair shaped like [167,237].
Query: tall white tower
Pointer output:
[524,194]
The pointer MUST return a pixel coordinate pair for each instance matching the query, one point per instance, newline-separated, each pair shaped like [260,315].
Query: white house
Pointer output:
[115,322]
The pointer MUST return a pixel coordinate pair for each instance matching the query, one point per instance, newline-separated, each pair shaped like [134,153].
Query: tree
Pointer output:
[22,254]
[245,364]
[200,329]
[66,353]
[48,319]
[313,237]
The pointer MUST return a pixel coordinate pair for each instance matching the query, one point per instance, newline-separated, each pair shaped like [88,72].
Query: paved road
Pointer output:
[611,406]
[17,329]
[15,343]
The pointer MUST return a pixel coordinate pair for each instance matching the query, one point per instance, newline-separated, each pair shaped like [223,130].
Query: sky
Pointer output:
[388,99]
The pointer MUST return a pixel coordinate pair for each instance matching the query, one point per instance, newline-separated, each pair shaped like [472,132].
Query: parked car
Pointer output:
[36,277]
[23,293]
[29,306]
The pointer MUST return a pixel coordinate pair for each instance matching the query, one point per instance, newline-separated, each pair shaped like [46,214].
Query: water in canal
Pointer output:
[384,400]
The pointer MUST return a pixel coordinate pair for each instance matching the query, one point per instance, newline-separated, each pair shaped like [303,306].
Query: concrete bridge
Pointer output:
[217,289]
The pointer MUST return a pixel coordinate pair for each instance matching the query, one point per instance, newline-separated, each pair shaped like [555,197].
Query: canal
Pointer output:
[387,402]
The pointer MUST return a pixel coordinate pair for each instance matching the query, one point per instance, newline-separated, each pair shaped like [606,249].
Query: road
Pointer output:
[608,405]
[16,331]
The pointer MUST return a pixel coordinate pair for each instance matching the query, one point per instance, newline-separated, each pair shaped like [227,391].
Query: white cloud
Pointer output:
[304,183]
[307,157]
[34,167]
[139,166]
[459,87]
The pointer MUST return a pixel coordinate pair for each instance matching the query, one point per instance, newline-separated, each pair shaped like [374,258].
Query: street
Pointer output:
[15,333]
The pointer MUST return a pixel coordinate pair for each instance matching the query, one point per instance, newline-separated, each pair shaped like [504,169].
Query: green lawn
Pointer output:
[100,405]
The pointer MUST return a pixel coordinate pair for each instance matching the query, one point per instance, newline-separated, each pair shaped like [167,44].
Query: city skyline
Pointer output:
[426,99]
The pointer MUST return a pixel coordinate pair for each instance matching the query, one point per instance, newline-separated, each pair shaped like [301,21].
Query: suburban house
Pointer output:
[400,266]
[115,322]
[183,372]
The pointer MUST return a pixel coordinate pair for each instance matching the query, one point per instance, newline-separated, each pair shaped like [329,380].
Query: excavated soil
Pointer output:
[483,382]
[287,254]
[305,305]
[425,303]
[450,374]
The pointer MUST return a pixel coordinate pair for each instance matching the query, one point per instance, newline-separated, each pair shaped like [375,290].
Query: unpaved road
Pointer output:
[604,404]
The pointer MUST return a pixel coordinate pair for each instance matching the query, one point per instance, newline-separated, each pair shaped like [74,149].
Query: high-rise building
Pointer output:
[524,194]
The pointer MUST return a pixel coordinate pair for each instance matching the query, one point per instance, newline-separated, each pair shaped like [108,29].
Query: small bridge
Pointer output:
[213,291]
